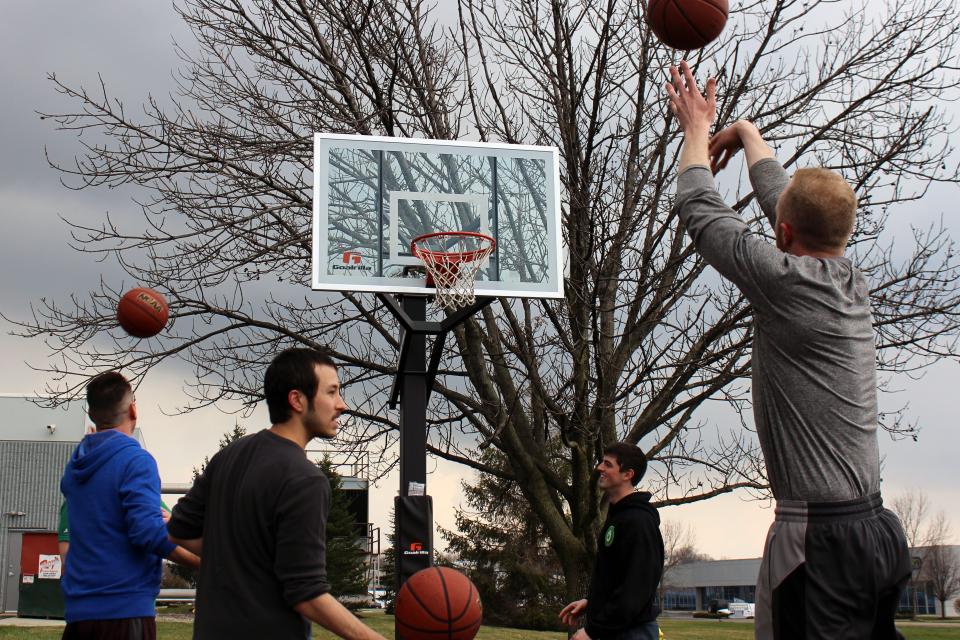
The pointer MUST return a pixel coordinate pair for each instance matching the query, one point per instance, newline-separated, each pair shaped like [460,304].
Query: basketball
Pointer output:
[687,24]
[142,312]
[438,603]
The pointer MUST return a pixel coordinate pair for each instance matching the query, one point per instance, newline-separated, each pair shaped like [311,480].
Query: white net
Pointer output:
[452,260]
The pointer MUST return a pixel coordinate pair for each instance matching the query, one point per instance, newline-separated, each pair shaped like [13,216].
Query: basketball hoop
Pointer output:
[452,260]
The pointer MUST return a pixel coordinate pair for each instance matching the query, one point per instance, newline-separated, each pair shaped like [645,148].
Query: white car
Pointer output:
[740,609]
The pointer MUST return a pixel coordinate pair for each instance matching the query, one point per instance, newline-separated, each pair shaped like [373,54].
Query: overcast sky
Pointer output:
[130,45]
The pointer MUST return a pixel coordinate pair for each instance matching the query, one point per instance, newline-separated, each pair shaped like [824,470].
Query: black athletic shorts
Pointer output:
[832,571]
[121,629]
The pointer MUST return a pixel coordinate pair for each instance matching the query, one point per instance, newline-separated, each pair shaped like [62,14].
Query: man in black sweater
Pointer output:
[621,603]
[258,516]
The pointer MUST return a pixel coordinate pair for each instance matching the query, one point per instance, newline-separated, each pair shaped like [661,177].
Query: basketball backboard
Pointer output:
[374,195]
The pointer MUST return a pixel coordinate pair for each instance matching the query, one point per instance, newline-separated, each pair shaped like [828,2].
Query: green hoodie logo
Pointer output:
[608,536]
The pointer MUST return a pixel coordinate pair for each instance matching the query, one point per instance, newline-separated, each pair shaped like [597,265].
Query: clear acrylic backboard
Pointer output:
[374,195]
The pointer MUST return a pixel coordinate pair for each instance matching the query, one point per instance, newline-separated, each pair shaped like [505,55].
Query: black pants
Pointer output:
[643,631]
[122,629]
[833,571]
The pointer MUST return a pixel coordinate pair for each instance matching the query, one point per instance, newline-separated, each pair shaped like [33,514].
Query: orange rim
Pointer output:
[452,257]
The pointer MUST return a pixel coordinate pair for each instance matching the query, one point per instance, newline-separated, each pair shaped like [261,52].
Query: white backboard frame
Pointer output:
[323,143]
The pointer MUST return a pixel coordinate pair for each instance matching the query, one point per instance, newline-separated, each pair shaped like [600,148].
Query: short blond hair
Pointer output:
[820,207]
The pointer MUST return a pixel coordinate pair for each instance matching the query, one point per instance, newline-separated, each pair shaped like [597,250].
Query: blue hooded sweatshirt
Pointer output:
[117,535]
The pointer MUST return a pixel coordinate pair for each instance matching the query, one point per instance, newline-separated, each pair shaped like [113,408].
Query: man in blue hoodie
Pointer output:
[118,536]
[621,604]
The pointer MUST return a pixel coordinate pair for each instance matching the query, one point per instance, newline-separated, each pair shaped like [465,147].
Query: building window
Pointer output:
[918,599]
[747,593]
[680,600]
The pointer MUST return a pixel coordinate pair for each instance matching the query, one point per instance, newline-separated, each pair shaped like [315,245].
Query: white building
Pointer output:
[691,587]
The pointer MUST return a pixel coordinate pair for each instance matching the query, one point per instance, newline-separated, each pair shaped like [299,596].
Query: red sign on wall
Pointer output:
[35,545]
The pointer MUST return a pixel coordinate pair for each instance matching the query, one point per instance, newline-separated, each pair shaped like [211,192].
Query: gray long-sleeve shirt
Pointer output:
[814,371]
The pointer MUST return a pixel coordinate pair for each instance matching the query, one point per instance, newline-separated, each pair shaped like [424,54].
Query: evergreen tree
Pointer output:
[389,568]
[346,555]
[228,437]
[506,553]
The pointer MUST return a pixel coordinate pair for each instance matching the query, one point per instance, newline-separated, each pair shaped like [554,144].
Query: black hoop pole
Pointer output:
[418,326]
[413,409]
[413,506]
[411,390]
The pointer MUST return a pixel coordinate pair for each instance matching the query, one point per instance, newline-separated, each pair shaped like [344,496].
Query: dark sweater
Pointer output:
[627,570]
[261,507]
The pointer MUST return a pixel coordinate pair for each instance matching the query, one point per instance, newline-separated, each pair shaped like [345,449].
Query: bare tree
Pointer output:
[942,570]
[911,507]
[646,338]
[924,534]
[679,547]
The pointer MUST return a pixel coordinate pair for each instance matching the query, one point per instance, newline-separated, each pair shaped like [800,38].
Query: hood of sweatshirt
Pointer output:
[639,500]
[94,451]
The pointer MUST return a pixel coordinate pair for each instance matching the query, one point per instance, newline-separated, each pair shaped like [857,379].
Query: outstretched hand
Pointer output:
[572,611]
[695,111]
[723,146]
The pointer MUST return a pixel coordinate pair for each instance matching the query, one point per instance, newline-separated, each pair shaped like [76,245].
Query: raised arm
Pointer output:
[695,113]
[742,134]
[766,175]
[721,237]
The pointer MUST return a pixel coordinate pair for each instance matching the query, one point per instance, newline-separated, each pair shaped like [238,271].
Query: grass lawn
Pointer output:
[673,629]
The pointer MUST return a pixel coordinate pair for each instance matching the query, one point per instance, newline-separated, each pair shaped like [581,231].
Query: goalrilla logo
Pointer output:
[416,549]
[352,261]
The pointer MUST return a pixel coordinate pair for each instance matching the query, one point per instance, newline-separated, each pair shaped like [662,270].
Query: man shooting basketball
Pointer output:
[835,560]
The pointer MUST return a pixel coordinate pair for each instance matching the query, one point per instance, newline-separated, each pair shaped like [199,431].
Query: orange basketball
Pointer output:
[142,312]
[687,24]
[438,603]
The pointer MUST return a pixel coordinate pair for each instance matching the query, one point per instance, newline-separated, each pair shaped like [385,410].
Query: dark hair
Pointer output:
[629,456]
[292,370]
[107,395]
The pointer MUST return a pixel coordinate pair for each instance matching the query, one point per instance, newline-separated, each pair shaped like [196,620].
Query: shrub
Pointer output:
[711,616]
[171,580]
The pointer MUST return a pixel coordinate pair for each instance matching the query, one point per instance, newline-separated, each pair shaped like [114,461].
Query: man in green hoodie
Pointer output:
[621,602]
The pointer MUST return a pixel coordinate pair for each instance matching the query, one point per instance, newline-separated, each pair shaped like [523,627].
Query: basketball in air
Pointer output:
[687,24]
[438,603]
[142,312]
